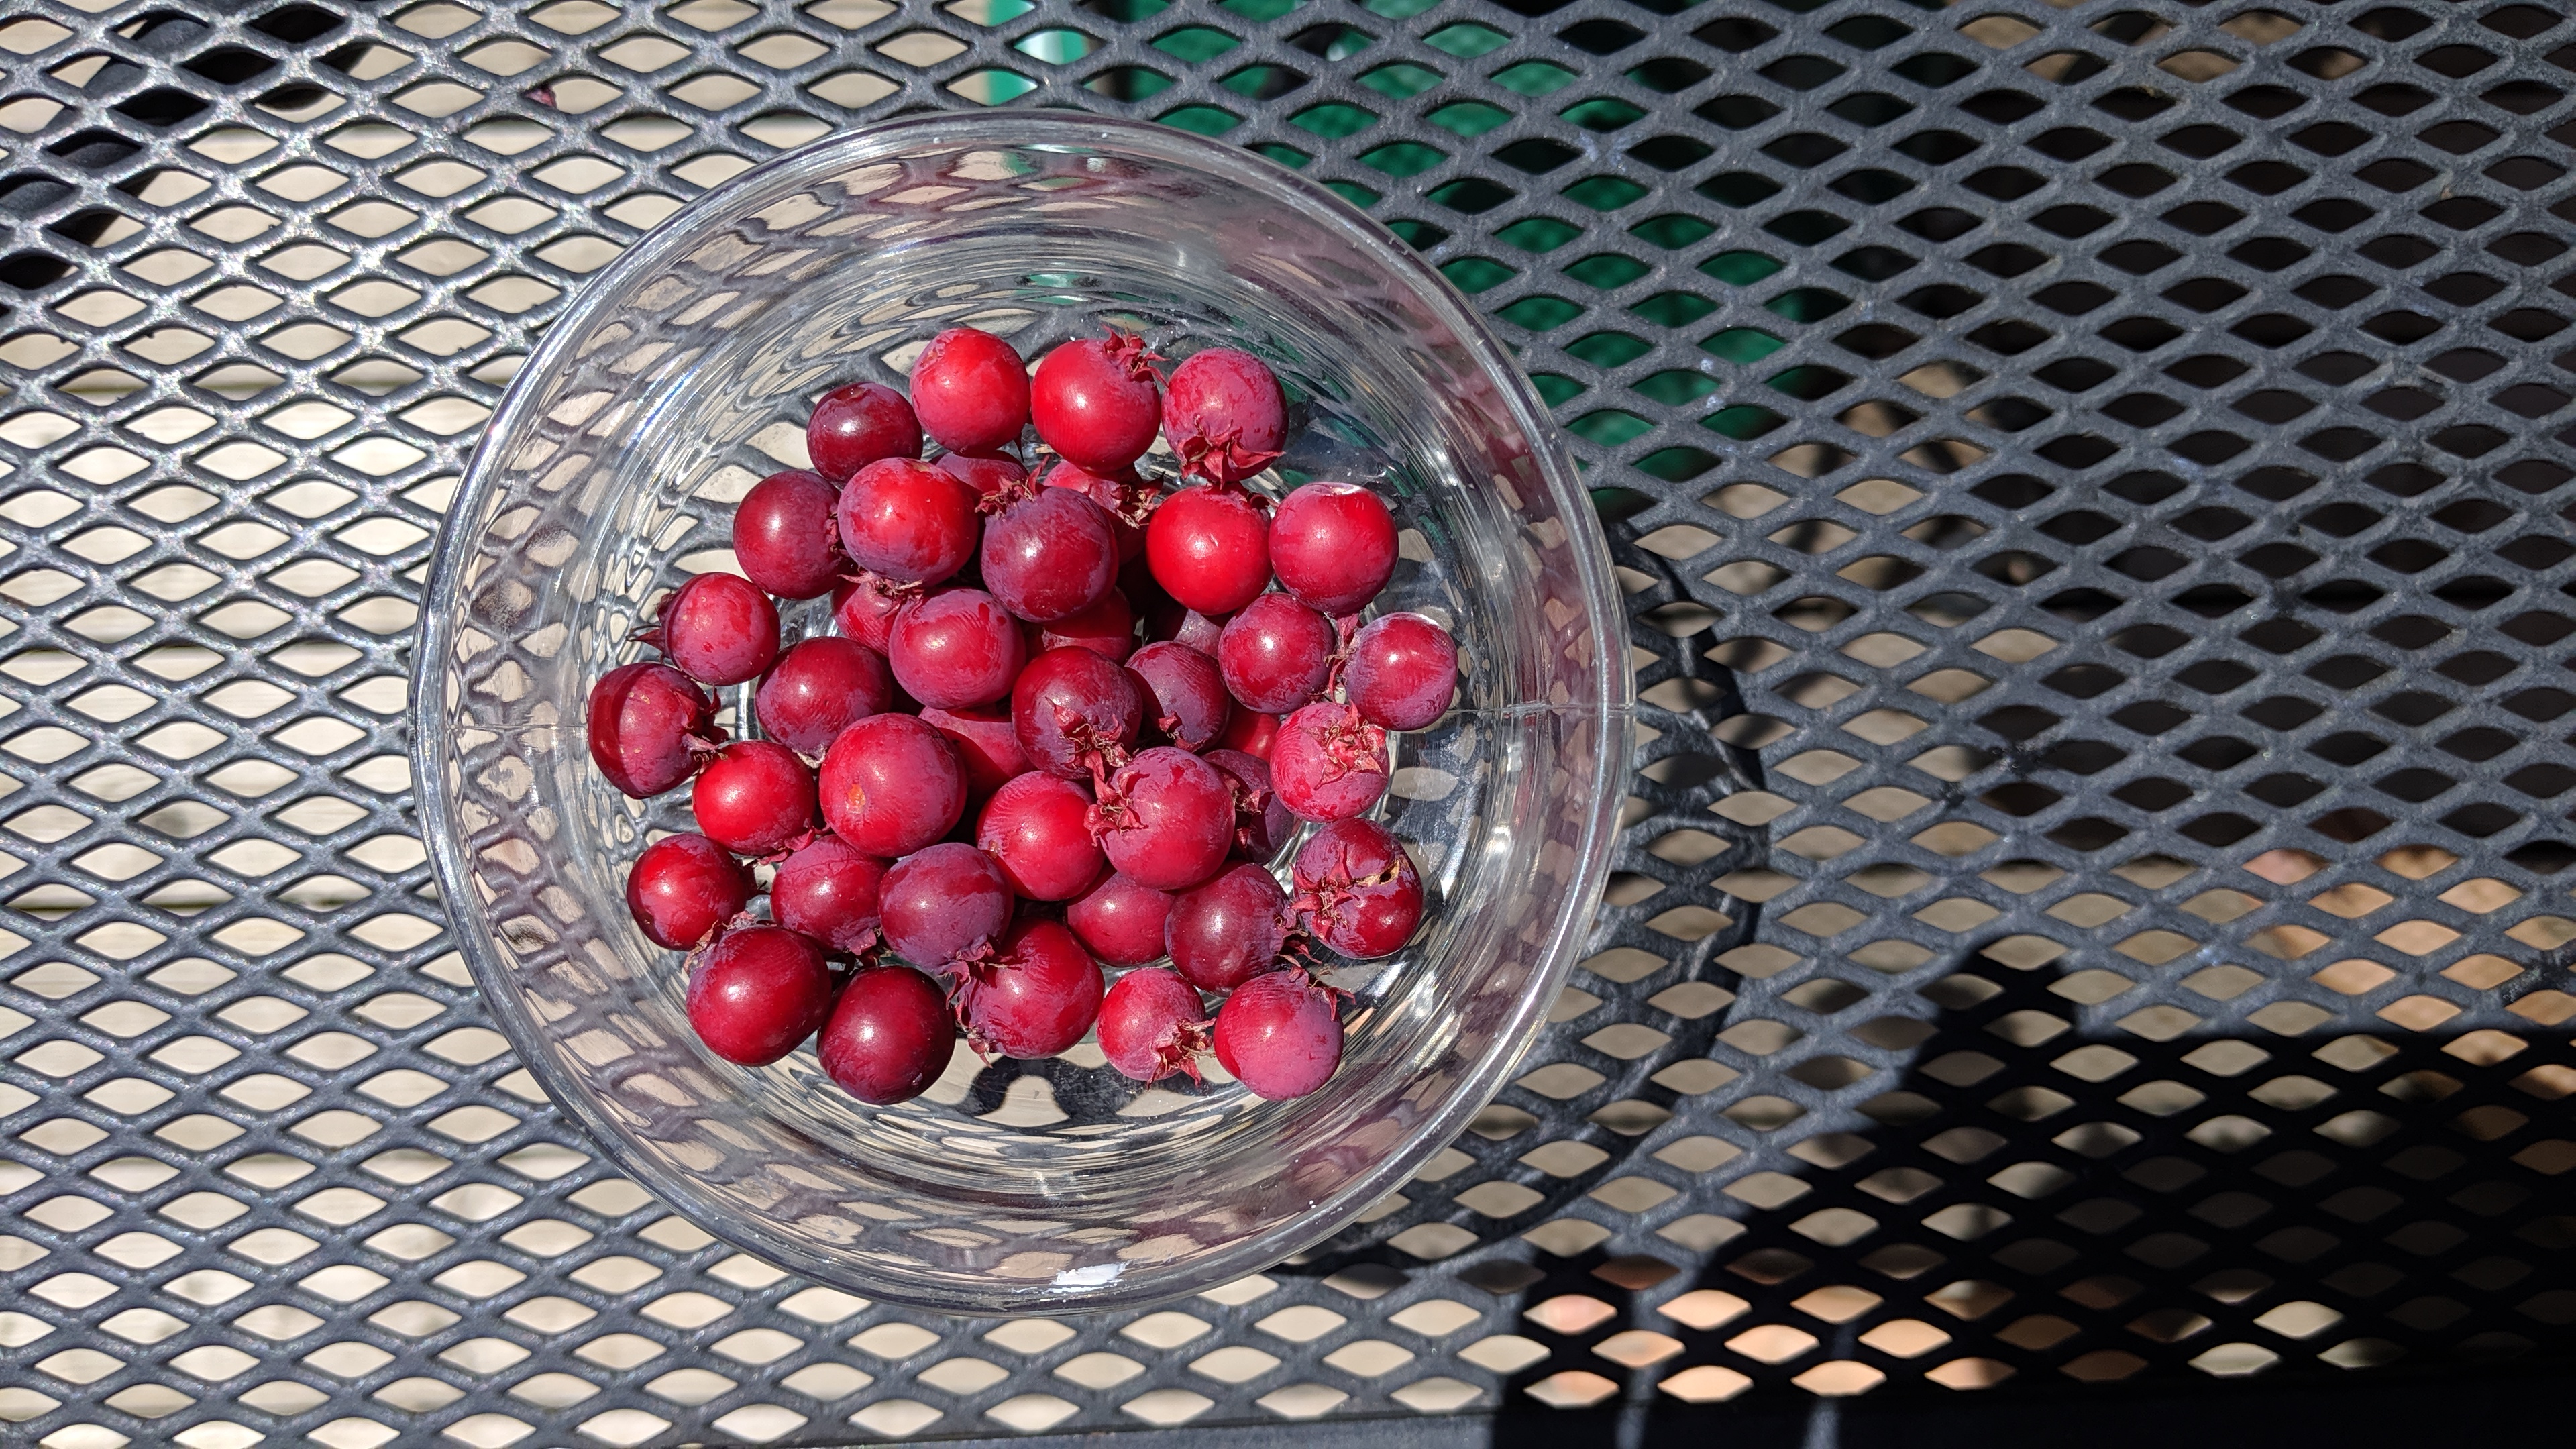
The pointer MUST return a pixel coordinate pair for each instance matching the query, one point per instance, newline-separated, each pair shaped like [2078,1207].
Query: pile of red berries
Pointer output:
[982,784]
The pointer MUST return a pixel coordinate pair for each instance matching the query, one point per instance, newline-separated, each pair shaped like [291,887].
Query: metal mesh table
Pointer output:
[2091,486]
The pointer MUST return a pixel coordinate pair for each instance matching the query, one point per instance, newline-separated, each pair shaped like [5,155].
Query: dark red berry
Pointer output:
[717,629]
[1328,763]
[819,688]
[987,475]
[891,785]
[1228,931]
[1166,819]
[1095,403]
[1037,829]
[1357,890]
[1209,549]
[1107,629]
[1279,1035]
[1251,732]
[1122,495]
[684,886]
[908,521]
[889,1037]
[1152,1025]
[954,648]
[857,424]
[1333,546]
[1276,654]
[863,608]
[785,536]
[1121,921]
[757,994]
[985,742]
[1050,556]
[1036,997]
[1224,416]
[1169,622]
[755,797]
[1185,697]
[942,904]
[1403,671]
[829,892]
[1261,824]
[649,725]
[1075,712]
[971,391]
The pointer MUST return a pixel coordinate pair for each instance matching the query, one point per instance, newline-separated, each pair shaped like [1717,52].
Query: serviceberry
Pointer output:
[889,1037]
[1357,890]
[954,647]
[1333,546]
[943,904]
[1037,994]
[1037,829]
[1076,713]
[819,688]
[785,535]
[683,887]
[1261,824]
[1327,763]
[1049,556]
[1209,548]
[891,785]
[830,892]
[1229,930]
[1165,819]
[757,993]
[971,391]
[1094,401]
[1402,671]
[755,797]
[717,629]
[1120,921]
[856,424]
[1185,694]
[1276,654]
[649,727]
[1279,1034]
[1153,1024]
[908,521]
[1224,415]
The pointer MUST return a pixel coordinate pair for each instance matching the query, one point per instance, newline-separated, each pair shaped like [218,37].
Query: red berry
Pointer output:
[986,474]
[863,608]
[1333,546]
[971,391]
[1276,654]
[1224,415]
[1209,549]
[954,648]
[819,688]
[1328,763]
[1152,1025]
[1228,931]
[857,424]
[755,797]
[784,535]
[904,519]
[1357,890]
[1403,671]
[1251,732]
[943,904]
[1107,628]
[1094,402]
[1261,824]
[985,743]
[1170,622]
[1279,1035]
[889,1037]
[1120,921]
[1050,556]
[829,892]
[684,886]
[757,993]
[1166,819]
[648,726]
[1074,712]
[717,629]
[891,785]
[1036,828]
[1119,493]
[1036,997]
[1185,698]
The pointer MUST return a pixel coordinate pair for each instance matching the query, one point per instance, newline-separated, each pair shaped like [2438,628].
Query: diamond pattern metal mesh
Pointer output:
[2092,483]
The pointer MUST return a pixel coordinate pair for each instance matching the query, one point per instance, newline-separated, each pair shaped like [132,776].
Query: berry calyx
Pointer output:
[889,1037]
[757,993]
[971,391]
[890,785]
[683,887]
[906,520]
[785,536]
[864,605]
[756,798]
[1224,415]
[1279,1034]
[1327,763]
[1357,890]
[856,424]
[717,629]
[1095,403]
[649,726]
[1153,1024]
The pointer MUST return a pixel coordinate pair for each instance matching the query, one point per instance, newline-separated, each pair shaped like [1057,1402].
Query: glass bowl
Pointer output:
[683,373]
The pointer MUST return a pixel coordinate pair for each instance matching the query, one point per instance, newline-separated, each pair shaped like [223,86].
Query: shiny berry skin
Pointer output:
[954,648]
[864,608]
[755,797]
[1333,546]
[1050,556]
[1107,628]
[891,785]
[757,994]
[1095,403]
[684,886]
[830,892]
[985,744]
[1153,1024]
[1036,997]
[1074,711]
[1228,931]
[971,391]
[1224,415]
[1185,697]
[1120,921]
[1169,622]
[889,1036]
[908,521]
[785,536]
[986,474]
[1209,549]
[942,904]
[856,424]
[649,726]
[1279,1035]
[1261,824]
[1166,819]
[717,629]
[1037,829]
[819,688]
[1251,732]
[1276,654]
[1328,763]
[1357,890]
[1403,671]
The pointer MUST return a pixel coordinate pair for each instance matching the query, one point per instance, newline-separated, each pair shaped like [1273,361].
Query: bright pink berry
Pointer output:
[945,903]
[1261,824]
[986,474]
[856,424]
[649,725]
[863,608]
[1095,403]
[819,688]
[1152,1025]
[954,648]
[891,785]
[1276,654]
[757,993]
[1279,1035]
[1328,763]
[717,629]
[784,535]
[1037,829]
[889,1037]
[1107,628]
[1075,712]
[829,892]
[908,521]
[1166,819]
[1250,732]
[1050,556]
[684,886]
[1037,996]
[755,797]
[971,391]
[1228,931]
[1403,671]
[1185,697]
[1209,549]
[1224,415]
[1121,921]
[985,744]
[1357,890]
[1333,546]
[1169,622]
